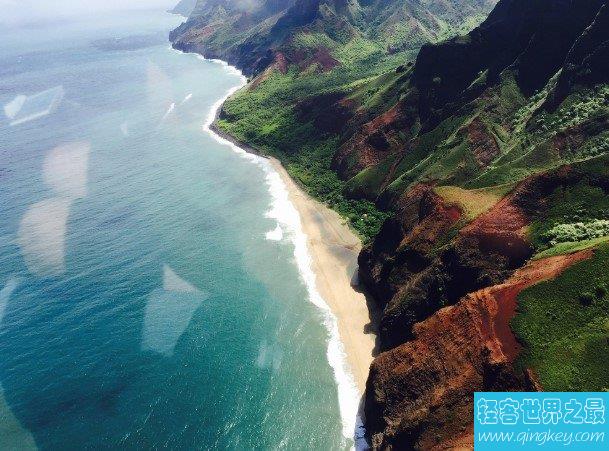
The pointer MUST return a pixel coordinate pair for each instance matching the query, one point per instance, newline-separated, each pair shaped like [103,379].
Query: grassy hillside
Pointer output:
[276,118]
[564,325]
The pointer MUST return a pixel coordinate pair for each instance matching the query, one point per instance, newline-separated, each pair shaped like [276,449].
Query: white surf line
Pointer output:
[287,216]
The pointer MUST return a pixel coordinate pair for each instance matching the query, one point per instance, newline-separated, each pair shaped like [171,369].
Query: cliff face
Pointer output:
[499,66]
[532,38]
[490,112]
[252,34]
[420,391]
[478,167]
[236,31]
[410,278]
[420,394]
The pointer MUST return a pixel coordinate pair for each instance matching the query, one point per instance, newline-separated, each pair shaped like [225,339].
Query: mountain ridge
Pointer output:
[467,166]
[224,28]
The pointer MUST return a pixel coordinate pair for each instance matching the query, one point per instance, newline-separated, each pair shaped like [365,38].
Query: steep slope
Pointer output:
[486,134]
[252,34]
[519,106]
[421,394]
[466,113]
[420,390]
[477,168]
[236,31]
[318,65]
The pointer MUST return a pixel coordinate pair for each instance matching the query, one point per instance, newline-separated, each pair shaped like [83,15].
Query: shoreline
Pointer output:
[325,252]
[334,249]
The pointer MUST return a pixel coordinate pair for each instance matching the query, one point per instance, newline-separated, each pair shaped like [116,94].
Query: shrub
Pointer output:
[586,298]
[578,231]
[600,291]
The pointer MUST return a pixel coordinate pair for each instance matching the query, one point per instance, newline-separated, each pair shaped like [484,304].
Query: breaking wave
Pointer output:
[288,220]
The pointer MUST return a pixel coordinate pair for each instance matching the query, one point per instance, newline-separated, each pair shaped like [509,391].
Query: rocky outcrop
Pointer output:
[426,257]
[420,390]
[482,143]
[473,112]
[251,22]
[412,281]
[374,141]
[413,268]
[484,78]
[420,394]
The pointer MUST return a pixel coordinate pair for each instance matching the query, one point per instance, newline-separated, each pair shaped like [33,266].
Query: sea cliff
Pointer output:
[471,157]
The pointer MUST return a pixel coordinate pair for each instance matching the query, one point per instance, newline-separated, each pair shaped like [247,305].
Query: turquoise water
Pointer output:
[143,301]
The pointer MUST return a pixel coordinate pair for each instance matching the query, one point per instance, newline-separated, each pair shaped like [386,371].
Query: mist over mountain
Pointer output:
[250,33]
[184,8]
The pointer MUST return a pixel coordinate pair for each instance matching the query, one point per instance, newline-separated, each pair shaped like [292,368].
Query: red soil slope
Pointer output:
[422,390]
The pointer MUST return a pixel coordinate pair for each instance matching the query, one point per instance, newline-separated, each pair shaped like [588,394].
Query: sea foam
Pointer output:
[288,218]
[276,234]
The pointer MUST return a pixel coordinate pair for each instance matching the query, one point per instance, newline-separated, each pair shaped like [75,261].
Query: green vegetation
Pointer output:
[579,107]
[428,150]
[368,183]
[570,247]
[579,231]
[473,118]
[564,326]
[266,118]
[542,139]
[279,113]
[312,171]
[574,213]
[359,56]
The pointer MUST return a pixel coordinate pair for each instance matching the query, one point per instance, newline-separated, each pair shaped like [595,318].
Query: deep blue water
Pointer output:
[141,303]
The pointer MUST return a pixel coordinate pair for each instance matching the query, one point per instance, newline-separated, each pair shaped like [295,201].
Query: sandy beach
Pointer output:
[334,249]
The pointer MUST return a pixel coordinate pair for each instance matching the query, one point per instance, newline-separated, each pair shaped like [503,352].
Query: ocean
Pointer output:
[155,287]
